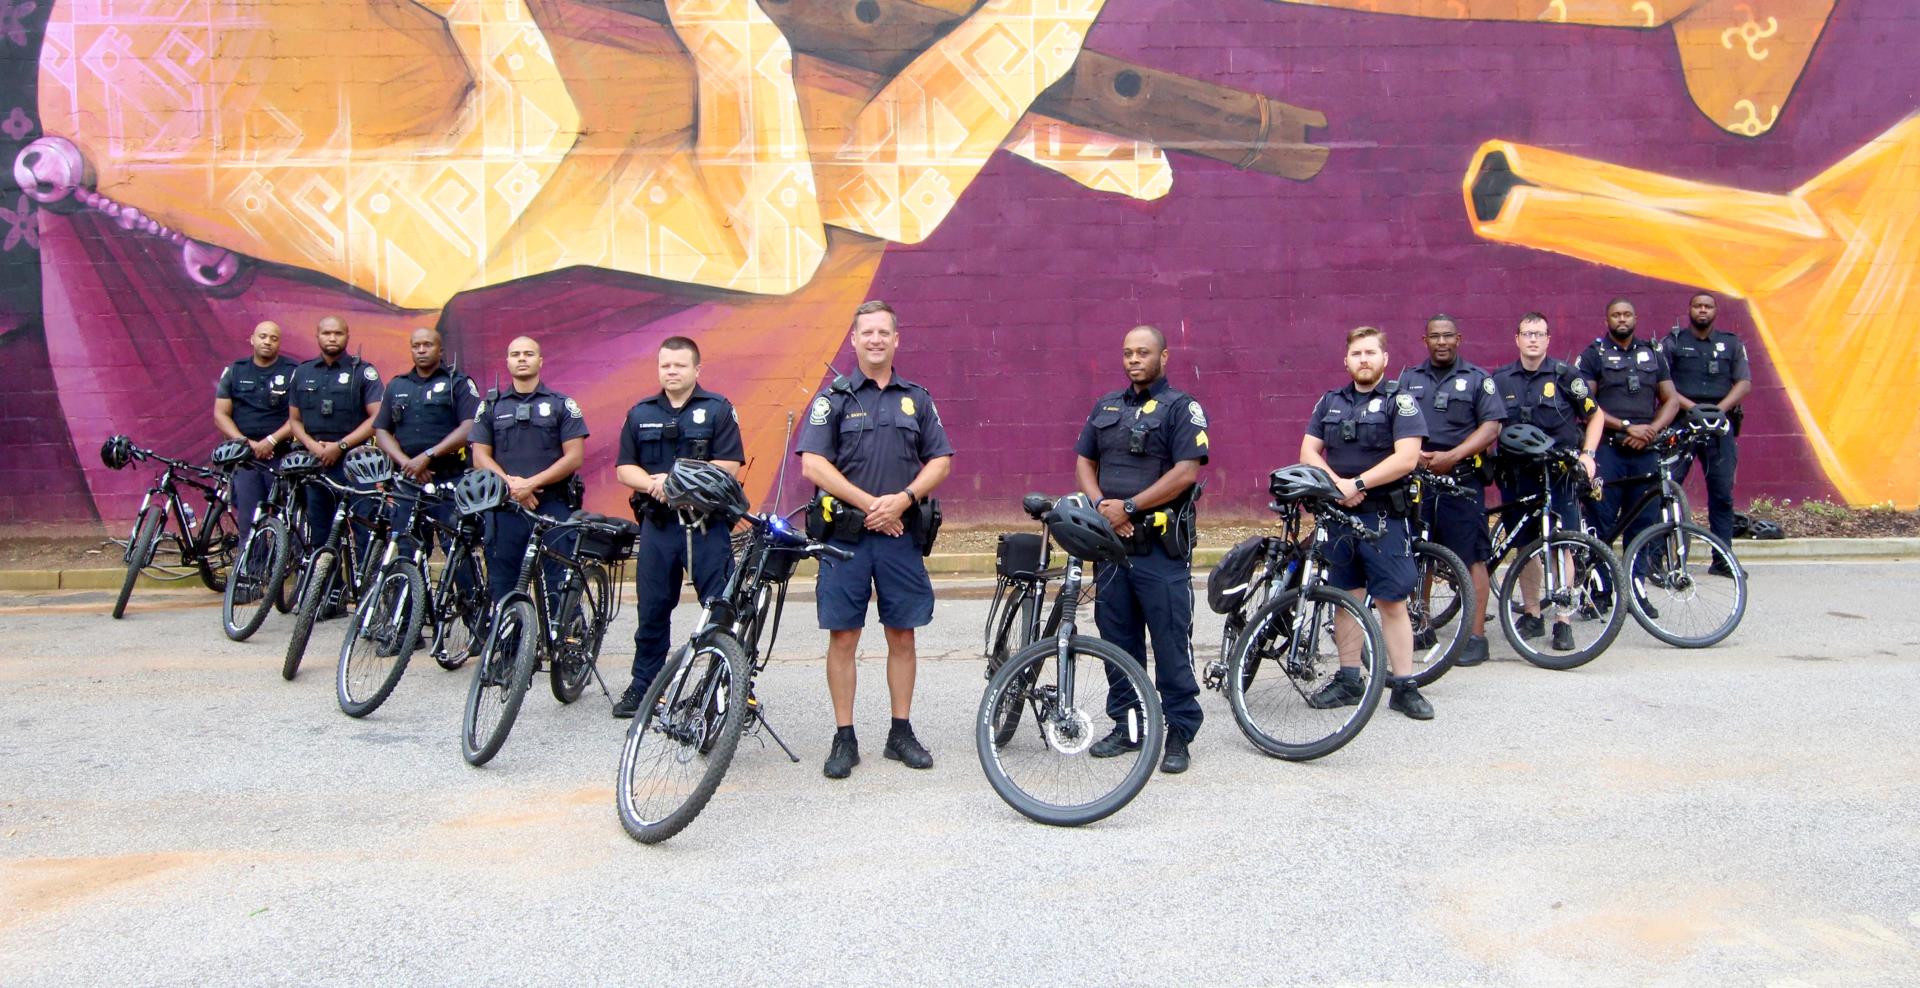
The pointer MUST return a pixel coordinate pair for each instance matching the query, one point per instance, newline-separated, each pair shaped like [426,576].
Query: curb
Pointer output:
[980,564]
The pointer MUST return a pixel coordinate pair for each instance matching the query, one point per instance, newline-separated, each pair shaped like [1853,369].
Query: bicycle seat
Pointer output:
[619,525]
[1036,505]
[232,453]
[1083,532]
[1300,482]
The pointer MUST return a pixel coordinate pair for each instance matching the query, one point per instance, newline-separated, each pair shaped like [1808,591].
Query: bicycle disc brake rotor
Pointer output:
[1068,731]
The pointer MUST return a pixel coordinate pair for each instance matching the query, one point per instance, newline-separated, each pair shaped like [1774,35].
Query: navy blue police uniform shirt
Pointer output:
[1163,424]
[1453,400]
[656,433]
[333,397]
[419,412]
[1705,370]
[1625,379]
[1555,398]
[259,394]
[526,443]
[1378,420]
[878,438]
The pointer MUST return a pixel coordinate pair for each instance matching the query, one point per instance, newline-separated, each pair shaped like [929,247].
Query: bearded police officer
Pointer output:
[1463,413]
[423,425]
[536,438]
[250,403]
[1137,459]
[335,397]
[874,448]
[683,421]
[1552,396]
[1369,438]
[1710,368]
[1635,393]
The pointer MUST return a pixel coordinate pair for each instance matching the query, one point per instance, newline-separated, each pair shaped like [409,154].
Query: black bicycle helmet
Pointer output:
[1525,440]
[1301,482]
[232,453]
[701,488]
[367,466]
[1709,418]
[478,491]
[1083,532]
[116,452]
[298,462]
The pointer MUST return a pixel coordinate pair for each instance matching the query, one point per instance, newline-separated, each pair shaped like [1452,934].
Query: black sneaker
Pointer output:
[1344,690]
[1115,743]
[1563,637]
[904,747]
[1175,760]
[1530,626]
[1474,652]
[841,760]
[1407,700]
[629,701]
[1720,568]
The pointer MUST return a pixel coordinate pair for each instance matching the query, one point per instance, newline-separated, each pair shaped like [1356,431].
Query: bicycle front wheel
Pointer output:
[1571,579]
[1284,683]
[1010,635]
[500,681]
[1688,589]
[682,739]
[459,615]
[1048,771]
[1440,610]
[381,639]
[316,587]
[146,532]
[254,580]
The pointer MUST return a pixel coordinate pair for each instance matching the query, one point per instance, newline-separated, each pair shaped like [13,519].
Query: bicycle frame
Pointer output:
[193,543]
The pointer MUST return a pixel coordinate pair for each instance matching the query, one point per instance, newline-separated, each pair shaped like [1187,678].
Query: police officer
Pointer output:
[423,425]
[335,397]
[1710,368]
[1137,460]
[536,438]
[1369,438]
[1635,393]
[250,403]
[687,421]
[874,448]
[1463,413]
[1551,396]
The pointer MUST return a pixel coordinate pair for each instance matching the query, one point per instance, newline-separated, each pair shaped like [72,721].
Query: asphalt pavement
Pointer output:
[172,812]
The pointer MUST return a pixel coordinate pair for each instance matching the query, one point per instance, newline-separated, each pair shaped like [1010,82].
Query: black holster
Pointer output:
[923,520]
[830,519]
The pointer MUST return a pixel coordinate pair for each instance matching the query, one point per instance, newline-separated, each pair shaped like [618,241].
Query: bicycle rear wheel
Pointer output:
[1440,609]
[1048,771]
[381,639]
[1289,656]
[146,532]
[500,681]
[575,655]
[258,571]
[682,739]
[215,560]
[317,587]
[1010,635]
[1689,590]
[1579,594]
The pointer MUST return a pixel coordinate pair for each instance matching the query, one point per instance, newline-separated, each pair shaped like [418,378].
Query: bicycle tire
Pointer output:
[1008,638]
[574,656]
[363,678]
[316,588]
[1596,577]
[458,615]
[146,531]
[506,669]
[1023,675]
[216,554]
[257,569]
[1683,583]
[1304,671]
[691,732]
[1450,625]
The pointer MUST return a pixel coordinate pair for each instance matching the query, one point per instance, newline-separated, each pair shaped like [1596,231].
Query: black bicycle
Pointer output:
[337,574]
[690,722]
[1023,568]
[167,534]
[264,563]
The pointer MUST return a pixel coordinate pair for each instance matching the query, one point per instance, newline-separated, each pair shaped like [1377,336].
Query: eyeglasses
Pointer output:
[1533,334]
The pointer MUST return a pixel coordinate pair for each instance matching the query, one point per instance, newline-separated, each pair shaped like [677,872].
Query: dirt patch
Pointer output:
[1825,519]
[38,885]
[37,548]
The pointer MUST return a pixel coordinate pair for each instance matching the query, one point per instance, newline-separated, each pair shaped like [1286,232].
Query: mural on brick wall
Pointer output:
[1254,177]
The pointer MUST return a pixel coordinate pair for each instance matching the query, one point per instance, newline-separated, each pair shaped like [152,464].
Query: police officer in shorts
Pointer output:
[1463,413]
[536,438]
[1635,393]
[683,421]
[1369,439]
[423,425]
[875,450]
[1550,395]
[250,403]
[1710,368]
[335,397]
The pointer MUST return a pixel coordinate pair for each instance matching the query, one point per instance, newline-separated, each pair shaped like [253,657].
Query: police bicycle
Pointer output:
[273,546]
[205,542]
[337,573]
[1287,650]
[689,724]
[389,625]
[1073,685]
[556,622]
[1023,568]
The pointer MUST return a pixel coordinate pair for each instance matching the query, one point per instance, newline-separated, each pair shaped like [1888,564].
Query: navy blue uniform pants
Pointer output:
[442,511]
[507,534]
[1152,598]
[659,564]
[1717,461]
[1614,463]
[320,506]
[250,484]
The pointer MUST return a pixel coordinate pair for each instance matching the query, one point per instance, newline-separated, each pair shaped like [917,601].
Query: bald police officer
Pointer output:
[1369,439]
[1138,458]
[423,425]
[683,421]
[874,449]
[536,438]
[1635,393]
[1710,368]
[335,397]
[250,403]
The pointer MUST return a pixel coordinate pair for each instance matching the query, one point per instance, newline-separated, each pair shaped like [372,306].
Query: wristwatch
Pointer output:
[1127,506]
[911,499]
[1359,484]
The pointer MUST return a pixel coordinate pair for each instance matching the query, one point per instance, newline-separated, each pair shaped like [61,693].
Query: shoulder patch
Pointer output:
[1405,404]
[822,407]
[573,408]
[472,388]
[1578,386]
[1486,384]
[1198,417]
[368,371]
[480,409]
